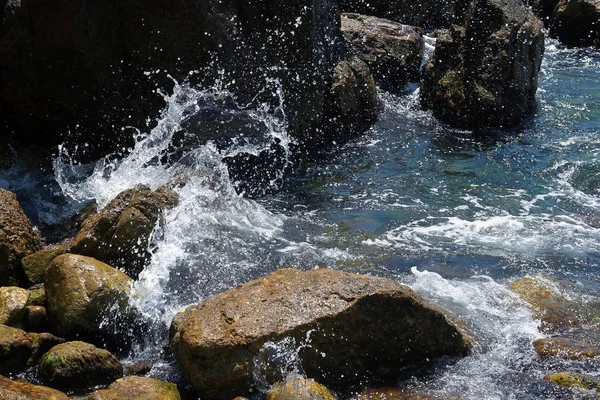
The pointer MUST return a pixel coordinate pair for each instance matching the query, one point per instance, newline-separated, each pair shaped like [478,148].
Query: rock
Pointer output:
[13,303]
[395,393]
[16,349]
[484,70]
[554,311]
[347,315]
[139,388]
[565,348]
[78,365]
[574,380]
[17,239]
[89,299]
[36,264]
[20,390]
[576,22]
[139,368]
[392,51]
[543,8]
[119,234]
[36,319]
[297,387]
[429,14]
[42,343]
[37,295]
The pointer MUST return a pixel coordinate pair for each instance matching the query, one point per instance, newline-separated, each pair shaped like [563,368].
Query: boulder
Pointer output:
[392,51]
[574,380]
[567,348]
[297,387]
[355,324]
[13,305]
[139,388]
[36,264]
[576,22]
[79,365]
[119,234]
[42,342]
[22,390]
[484,70]
[16,349]
[17,238]
[89,299]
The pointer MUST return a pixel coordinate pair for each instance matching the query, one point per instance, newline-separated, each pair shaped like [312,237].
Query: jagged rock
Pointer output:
[576,22]
[392,51]
[20,390]
[347,315]
[429,14]
[16,349]
[37,295]
[13,303]
[574,380]
[139,388]
[35,319]
[484,70]
[36,264]
[89,299]
[17,239]
[565,348]
[79,365]
[297,387]
[119,234]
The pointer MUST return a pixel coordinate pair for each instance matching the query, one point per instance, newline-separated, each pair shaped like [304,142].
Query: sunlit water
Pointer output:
[455,215]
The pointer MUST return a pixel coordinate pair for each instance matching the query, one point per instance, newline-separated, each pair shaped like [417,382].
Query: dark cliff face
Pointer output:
[85,69]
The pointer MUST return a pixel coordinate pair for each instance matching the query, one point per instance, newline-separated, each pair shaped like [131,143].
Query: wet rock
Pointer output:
[36,319]
[396,393]
[36,264]
[89,299]
[139,368]
[484,70]
[392,51]
[78,365]
[554,311]
[17,239]
[576,22]
[37,295]
[297,387]
[13,303]
[42,343]
[16,349]
[565,348]
[119,234]
[20,390]
[347,315]
[139,388]
[574,380]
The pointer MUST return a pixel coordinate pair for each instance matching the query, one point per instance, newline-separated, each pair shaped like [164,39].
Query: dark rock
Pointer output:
[139,368]
[36,319]
[565,348]
[13,303]
[16,349]
[36,264]
[89,299]
[543,8]
[576,22]
[17,238]
[139,388]
[392,51]
[78,365]
[297,387]
[42,343]
[20,390]
[484,70]
[347,315]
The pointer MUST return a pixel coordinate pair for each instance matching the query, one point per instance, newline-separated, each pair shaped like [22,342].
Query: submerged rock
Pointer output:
[13,305]
[89,299]
[138,388]
[392,51]
[78,365]
[576,22]
[21,390]
[357,325]
[36,264]
[574,380]
[17,239]
[119,234]
[565,348]
[484,70]
[297,387]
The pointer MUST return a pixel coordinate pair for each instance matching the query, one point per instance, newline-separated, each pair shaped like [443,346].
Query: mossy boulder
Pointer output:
[358,325]
[17,239]
[119,234]
[13,305]
[565,348]
[16,349]
[90,300]
[139,388]
[297,387]
[78,365]
[21,390]
[36,264]
[574,380]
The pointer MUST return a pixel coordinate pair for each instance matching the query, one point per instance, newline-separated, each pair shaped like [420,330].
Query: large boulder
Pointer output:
[355,325]
[484,70]
[139,388]
[21,390]
[17,238]
[392,51]
[13,305]
[576,22]
[119,234]
[89,299]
